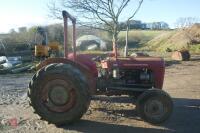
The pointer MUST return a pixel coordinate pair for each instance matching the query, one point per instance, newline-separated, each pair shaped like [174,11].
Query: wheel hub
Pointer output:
[59,95]
[154,108]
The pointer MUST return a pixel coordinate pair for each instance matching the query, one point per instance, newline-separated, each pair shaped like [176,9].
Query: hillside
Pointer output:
[137,38]
[188,38]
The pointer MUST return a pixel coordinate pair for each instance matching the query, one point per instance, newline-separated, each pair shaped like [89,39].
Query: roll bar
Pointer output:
[66,15]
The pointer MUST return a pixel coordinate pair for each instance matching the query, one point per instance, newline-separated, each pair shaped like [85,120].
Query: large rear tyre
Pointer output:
[59,93]
[154,106]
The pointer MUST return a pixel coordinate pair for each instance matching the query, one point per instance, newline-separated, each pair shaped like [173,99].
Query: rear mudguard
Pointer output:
[85,69]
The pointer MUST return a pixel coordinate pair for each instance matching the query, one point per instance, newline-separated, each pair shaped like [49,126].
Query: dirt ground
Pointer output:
[108,114]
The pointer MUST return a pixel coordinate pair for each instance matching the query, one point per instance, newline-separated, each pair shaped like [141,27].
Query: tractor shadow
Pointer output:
[185,118]
[88,126]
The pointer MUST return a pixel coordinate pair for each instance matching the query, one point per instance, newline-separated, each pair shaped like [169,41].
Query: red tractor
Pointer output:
[61,90]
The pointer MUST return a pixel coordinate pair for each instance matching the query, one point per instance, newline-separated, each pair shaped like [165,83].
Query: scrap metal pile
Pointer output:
[14,65]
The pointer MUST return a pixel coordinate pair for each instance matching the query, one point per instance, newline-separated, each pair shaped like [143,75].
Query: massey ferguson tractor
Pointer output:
[61,90]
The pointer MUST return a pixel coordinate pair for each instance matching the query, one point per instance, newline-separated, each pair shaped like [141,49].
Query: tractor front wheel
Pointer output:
[59,93]
[154,106]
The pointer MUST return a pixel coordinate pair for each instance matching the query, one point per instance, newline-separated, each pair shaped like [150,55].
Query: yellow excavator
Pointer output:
[43,48]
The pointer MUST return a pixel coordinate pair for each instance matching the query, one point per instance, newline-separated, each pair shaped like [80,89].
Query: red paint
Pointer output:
[86,61]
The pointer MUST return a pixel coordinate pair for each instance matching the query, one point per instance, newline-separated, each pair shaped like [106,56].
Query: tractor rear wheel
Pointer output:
[154,106]
[59,93]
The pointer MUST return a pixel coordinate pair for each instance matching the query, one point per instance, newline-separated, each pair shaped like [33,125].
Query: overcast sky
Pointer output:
[18,13]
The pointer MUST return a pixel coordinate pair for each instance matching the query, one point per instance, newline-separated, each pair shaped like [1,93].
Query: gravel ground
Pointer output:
[108,114]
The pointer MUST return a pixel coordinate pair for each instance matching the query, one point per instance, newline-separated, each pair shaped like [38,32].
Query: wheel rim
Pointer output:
[154,108]
[58,96]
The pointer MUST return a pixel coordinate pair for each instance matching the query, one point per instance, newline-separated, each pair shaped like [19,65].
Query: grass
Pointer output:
[150,33]
[195,49]
[141,34]
[138,38]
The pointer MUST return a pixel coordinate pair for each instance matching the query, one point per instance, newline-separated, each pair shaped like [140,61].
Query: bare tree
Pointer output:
[127,27]
[98,14]
[186,22]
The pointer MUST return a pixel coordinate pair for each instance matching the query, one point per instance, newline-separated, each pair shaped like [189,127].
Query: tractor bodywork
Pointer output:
[130,74]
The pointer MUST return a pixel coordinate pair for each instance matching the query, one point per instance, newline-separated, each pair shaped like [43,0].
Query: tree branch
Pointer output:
[137,9]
